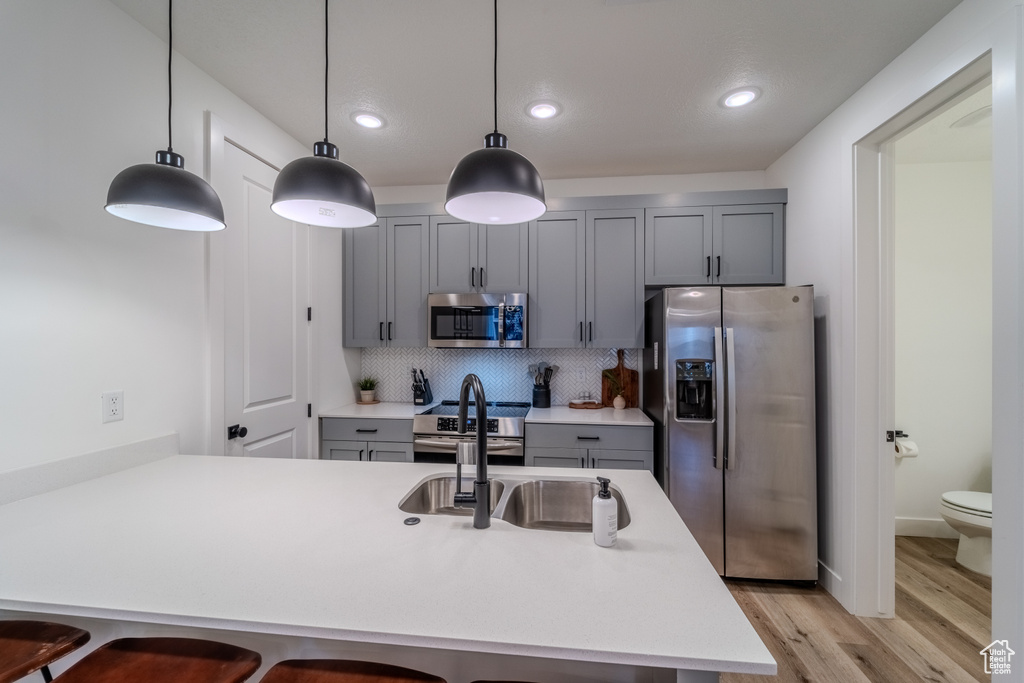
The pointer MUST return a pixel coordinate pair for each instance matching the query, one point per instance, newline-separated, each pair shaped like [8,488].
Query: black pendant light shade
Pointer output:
[164,194]
[495,186]
[320,190]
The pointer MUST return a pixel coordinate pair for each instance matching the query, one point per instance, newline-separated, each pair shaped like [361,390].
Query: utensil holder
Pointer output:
[541,396]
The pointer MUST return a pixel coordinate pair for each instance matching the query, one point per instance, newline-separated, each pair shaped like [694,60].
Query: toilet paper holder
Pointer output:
[905,448]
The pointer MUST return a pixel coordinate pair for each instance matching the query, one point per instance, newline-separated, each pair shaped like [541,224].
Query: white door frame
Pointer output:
[873,469]
[218,134]
[874,218]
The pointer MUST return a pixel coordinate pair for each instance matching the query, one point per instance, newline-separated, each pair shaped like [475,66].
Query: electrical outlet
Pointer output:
[581,374]
[113,406]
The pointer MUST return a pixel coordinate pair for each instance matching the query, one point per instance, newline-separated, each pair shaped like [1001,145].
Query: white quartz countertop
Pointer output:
[632,417]
[627,417]
[318,548]
[383,411]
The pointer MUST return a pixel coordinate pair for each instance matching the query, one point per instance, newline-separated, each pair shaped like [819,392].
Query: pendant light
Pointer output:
[164,194]
[495,185]
[320,190]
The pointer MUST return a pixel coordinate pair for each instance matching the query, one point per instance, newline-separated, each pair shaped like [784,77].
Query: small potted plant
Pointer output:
[367,390]
[615,384]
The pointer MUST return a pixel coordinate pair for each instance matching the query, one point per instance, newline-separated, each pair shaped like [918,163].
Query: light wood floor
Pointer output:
[943,619]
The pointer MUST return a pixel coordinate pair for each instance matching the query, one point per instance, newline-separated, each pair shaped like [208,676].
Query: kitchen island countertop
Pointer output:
[315,548]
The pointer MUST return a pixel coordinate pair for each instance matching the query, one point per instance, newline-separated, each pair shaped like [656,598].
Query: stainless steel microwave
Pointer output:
[487,321]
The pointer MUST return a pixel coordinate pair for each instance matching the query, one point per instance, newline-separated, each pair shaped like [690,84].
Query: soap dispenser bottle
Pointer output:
[606,515]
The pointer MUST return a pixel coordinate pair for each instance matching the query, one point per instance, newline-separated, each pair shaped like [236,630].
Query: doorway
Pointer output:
[874,253]
[942,297]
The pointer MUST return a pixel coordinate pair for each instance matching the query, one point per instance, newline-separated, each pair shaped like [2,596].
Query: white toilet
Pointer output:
[970,513]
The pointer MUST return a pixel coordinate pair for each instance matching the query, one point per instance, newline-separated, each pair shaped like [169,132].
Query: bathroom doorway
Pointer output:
[874,250]
[942,305]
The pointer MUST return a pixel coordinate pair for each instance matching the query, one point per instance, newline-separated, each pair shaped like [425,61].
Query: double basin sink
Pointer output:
[551,504]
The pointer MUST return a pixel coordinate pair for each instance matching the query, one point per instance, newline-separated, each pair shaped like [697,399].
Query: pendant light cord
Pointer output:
[495,66]
[170,49]
[326,65]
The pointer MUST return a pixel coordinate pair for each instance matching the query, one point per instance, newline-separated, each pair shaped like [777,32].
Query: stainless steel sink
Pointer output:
[556,505]
[551,504]
[436,497]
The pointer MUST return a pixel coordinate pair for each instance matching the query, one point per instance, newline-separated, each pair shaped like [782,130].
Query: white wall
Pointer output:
[93,303]
[818,171]
[943,336]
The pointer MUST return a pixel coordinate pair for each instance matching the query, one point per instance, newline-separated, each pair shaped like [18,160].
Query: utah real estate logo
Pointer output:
[997,657]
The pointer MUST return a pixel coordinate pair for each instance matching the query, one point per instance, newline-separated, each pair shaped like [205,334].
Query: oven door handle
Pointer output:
[452,444]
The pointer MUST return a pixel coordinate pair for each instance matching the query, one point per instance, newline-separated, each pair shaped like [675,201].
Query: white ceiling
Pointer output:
[639,80]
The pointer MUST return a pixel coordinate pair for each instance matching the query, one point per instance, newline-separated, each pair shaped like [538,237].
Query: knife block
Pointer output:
[423,397]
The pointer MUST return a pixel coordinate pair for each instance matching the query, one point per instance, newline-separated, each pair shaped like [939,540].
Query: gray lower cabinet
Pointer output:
[598,446]
[587,279]
[386,284]
[377,451]
[716,245]
[366,439]
[466,257]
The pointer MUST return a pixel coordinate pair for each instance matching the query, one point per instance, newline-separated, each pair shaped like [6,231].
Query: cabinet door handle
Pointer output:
[472,277]
[581,330]
[588,438]
[709,266]
[389,330]
[366,431]
[382,330]
[483,280]
[590,331]
[719,268]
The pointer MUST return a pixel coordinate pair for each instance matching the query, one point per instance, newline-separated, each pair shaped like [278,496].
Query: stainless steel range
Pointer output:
[436,432]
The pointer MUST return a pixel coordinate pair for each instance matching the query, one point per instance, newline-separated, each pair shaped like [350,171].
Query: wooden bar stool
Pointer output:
[343,671]
[163,660]
[27,646]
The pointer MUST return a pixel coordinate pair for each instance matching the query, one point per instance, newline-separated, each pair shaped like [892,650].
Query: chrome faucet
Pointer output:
[480,498]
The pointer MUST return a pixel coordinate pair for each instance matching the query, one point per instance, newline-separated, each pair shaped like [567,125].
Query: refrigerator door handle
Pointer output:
[730,373]
[719,400]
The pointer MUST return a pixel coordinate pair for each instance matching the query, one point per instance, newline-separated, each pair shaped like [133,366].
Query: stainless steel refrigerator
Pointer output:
[728,378]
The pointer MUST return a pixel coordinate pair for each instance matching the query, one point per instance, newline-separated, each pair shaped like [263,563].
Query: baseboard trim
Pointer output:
[924,526]
[49,476]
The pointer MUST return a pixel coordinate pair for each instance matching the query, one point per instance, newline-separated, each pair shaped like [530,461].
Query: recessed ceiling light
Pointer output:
[368,120]
[741,97]
[543,110]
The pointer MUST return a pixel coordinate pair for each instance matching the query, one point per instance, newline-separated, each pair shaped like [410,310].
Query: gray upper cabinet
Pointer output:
[678,246]
[466,257]
[558,285]
[750,245]
[720,245]
[386,284]
[587,279]
[615,279]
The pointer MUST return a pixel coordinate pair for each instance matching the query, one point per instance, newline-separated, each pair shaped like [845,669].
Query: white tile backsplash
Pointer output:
[503,372]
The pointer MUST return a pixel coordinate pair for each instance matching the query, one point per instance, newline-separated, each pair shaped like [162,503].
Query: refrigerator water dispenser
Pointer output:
[694,390]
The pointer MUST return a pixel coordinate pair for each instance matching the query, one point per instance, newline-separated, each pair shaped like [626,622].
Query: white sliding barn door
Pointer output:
[266,333]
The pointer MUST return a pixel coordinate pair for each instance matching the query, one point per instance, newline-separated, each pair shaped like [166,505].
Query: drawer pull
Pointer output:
[366,431]
[588,438]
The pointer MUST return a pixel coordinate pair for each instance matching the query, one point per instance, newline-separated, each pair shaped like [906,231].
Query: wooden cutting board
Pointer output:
[629,380]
